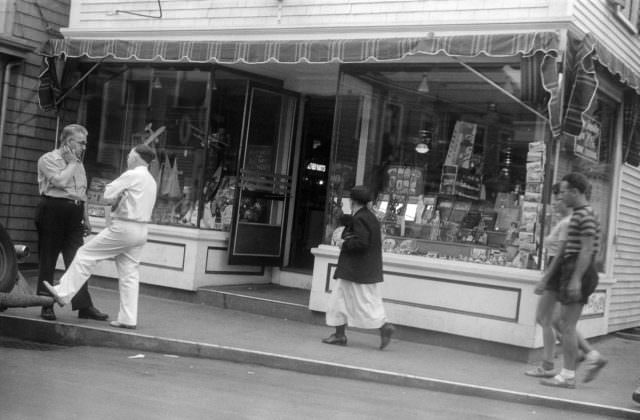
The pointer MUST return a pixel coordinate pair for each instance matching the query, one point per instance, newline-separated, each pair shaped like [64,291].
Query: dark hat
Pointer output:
[361,194]
[145,152]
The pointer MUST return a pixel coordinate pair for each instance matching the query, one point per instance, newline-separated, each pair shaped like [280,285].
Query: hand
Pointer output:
[69,155]
[86,228]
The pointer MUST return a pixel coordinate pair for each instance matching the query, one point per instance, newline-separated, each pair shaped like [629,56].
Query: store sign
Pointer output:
[587,144]
[461,146]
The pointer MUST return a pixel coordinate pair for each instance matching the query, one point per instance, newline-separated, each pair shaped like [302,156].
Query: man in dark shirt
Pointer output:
[61,217]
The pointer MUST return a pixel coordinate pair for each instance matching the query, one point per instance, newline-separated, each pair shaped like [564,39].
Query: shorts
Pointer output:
[553,284]
[588,284]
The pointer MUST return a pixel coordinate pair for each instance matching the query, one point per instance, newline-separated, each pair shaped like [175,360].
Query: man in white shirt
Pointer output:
[133,195]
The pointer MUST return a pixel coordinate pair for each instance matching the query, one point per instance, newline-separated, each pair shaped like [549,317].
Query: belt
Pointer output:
[67,200]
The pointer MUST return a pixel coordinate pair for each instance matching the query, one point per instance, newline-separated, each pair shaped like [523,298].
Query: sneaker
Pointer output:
[593,368]
[559,382]
[540,372]
[47,313]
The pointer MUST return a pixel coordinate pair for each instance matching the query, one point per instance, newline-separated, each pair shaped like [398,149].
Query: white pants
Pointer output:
[123,241]
[356,305]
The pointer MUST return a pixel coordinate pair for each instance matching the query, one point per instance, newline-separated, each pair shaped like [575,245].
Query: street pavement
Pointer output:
[178,327]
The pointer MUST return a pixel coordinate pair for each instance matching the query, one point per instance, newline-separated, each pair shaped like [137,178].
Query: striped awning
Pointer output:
[309,51]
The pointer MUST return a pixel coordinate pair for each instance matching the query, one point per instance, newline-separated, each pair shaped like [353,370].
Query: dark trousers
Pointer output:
[60,230]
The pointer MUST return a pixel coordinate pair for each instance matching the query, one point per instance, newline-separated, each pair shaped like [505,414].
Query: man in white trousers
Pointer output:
[133,195]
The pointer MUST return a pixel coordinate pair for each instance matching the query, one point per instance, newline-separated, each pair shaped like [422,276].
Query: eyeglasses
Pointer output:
[80,142]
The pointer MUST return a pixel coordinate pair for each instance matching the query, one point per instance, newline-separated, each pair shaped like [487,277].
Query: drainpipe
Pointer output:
[5,96]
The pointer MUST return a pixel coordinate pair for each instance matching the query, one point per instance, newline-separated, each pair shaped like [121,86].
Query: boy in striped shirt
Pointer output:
[578,277]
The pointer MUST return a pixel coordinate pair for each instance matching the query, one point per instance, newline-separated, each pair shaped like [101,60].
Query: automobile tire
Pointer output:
[8,262]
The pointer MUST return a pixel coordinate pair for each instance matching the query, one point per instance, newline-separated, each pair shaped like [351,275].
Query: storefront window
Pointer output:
[592,153]
[456,164]
[172,110]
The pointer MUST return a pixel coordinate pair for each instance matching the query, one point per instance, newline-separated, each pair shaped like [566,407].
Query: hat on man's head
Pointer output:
[145,152]
[361,194]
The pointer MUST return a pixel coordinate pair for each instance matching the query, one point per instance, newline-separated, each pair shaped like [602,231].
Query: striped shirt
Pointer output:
[584,223]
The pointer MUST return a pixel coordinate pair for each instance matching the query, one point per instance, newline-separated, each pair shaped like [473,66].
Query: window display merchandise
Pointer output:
[457,176]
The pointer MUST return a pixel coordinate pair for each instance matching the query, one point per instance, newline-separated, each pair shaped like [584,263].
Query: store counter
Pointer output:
[184,258]
[487,302]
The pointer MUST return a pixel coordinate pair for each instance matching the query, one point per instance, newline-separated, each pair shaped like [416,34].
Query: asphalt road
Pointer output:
[45,381]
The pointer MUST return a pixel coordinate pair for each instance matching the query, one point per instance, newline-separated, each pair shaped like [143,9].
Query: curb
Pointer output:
[75,335]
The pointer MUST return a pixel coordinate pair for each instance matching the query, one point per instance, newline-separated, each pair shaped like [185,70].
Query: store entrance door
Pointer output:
[311,190]
[264,188]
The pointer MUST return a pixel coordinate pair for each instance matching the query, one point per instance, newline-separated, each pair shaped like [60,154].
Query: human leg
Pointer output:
[545,313]
[49,246]
[72,241]
[569,315]
[336,316]
[107,244]
[129,282]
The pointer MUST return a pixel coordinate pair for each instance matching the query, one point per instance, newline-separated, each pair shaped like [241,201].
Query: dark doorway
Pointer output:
[311,192]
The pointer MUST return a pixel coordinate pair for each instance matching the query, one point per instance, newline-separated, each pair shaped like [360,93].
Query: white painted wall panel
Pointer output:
[625,295]
[215,15]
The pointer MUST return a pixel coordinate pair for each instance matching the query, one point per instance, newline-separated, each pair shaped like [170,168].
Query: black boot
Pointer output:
[339,338]
[386,331]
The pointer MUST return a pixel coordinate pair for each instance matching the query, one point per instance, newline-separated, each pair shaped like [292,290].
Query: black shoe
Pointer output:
[336,340]
[47,313]
[386,331]
[92,313]
[636,395]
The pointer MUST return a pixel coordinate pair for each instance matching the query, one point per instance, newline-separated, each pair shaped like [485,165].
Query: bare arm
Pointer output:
[582,264]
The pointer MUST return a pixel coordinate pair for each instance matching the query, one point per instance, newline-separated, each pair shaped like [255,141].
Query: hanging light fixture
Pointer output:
[424,84]
[422,146]
[156,83]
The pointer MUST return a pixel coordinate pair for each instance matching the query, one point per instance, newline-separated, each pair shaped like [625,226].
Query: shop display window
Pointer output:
[192,118]
[592,154]
[456,165]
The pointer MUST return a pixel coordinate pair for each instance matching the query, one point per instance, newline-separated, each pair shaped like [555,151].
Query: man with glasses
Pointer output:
[61,217]
[578,278]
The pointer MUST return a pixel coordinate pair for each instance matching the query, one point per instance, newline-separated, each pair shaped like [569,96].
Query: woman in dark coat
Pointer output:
[356,299]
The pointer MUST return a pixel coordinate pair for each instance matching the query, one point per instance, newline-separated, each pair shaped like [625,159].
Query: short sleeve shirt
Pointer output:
[51,164]
[558,234]
[583,223]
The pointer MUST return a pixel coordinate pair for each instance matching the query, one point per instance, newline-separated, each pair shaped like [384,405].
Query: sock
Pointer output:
[592,355]
[547,365]
[340,330]
[568,374]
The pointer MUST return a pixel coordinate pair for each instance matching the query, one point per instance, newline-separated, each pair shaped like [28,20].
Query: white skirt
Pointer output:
[356,304]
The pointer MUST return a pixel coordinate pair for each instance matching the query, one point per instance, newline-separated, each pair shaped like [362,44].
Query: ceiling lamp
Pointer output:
[422,148]
[424,84]
[156,83]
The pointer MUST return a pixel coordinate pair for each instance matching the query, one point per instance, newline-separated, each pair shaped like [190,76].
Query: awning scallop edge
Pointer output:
[309,51]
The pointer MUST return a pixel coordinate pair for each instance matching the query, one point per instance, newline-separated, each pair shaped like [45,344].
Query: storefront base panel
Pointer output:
[289,278]
[186,259]
[494,304]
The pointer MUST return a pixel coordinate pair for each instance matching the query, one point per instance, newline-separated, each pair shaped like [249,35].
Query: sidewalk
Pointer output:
[176,327]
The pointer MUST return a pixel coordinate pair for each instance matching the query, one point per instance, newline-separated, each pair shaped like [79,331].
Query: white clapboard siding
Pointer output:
[596,17]
[624,310]
[218,15]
